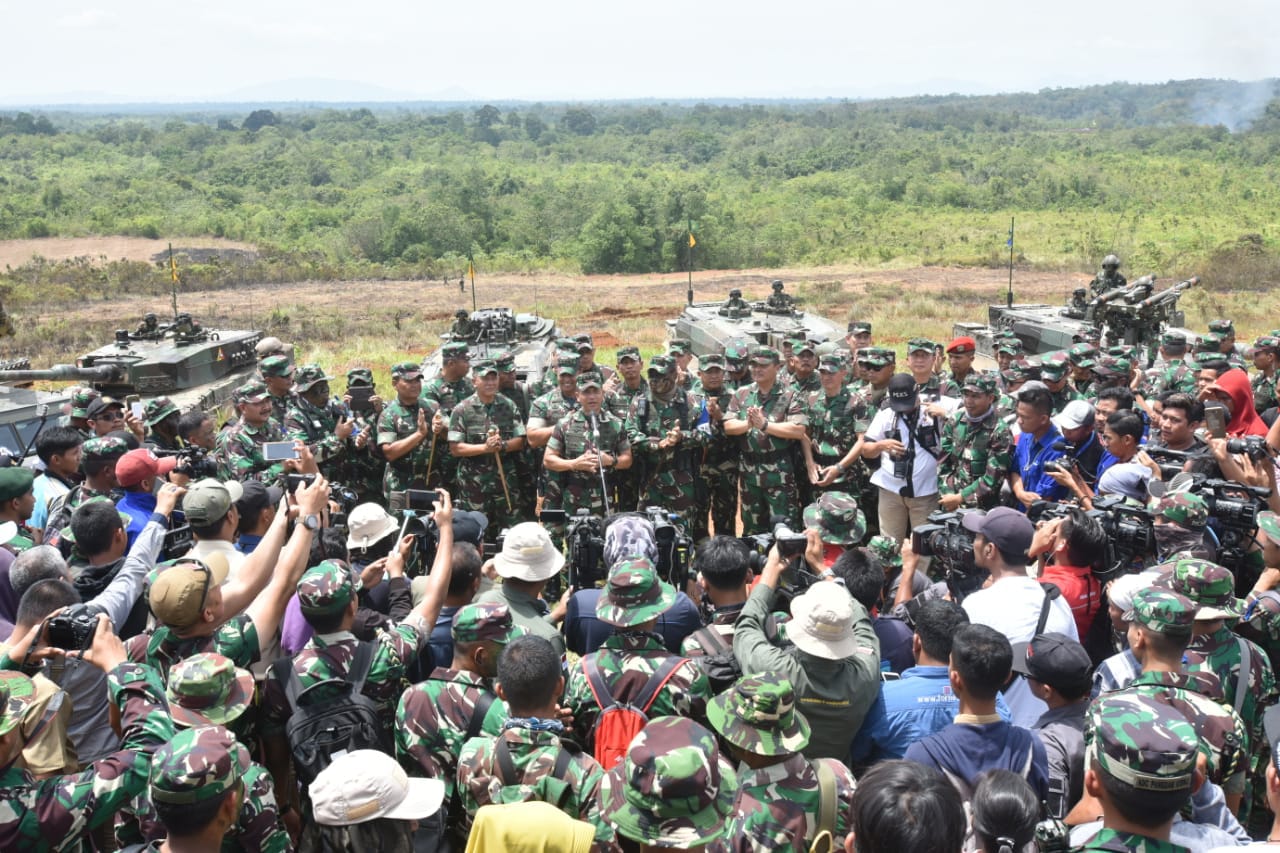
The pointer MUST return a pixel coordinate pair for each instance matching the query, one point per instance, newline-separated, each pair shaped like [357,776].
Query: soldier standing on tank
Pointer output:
[277,375]
[1110,277]
[735,304]
[585,449]
[319,421]
[833,428]
[485,433]
[665,443]
[365,463]
[239,446]
[977,449]
[768,416]
[720,469]
[410,430]
[779,301]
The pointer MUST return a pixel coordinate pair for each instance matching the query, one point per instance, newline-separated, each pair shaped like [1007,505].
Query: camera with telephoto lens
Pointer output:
[1233,515]
[1253,446]
[946,540]
[674,545]
[192,461]
[73,628]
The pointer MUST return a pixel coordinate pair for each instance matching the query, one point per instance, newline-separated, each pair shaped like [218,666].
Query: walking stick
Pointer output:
[502,474]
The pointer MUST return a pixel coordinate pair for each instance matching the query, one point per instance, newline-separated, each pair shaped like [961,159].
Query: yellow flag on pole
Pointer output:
[173,268]
[692,242]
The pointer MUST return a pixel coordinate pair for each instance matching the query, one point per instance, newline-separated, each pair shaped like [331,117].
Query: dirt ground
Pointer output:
[15,253]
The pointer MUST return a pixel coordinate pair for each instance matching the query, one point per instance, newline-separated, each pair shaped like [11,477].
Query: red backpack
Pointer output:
[619,722]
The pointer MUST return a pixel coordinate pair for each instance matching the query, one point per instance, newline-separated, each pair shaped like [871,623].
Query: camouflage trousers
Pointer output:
[721,500]
[674,490]
[478,488]
[768,490]
[583,491]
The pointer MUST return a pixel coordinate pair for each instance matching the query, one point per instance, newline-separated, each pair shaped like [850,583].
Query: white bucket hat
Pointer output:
[368,524]
[528,554]
[822,622]
[366,784]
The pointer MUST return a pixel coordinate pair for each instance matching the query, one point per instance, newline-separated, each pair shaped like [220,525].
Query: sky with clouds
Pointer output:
[145,50]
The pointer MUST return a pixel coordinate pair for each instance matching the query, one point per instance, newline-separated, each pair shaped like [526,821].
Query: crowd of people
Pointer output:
[931,609]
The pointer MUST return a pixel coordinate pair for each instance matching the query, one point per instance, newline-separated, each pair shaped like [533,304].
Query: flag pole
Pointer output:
[692,243]
[1009,296]
[471,269]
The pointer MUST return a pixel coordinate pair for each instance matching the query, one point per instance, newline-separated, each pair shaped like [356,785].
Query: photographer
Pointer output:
[908,443]
[1084,449]
[1069,550]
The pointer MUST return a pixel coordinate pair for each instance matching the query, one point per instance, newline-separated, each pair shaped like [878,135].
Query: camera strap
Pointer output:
[1050,593]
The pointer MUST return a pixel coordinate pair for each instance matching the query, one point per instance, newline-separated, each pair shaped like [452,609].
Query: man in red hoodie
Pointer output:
[1232,389]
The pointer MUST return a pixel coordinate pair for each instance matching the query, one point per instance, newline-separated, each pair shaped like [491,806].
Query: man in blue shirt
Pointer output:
[1121,437]
[136,473]
[921,702]
[1035,451]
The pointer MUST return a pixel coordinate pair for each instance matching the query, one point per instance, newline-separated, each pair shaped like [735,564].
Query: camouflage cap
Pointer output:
[17,695]
[662,364]
[1185,509]
[584,342]
[359,377]
[566,345]
[80,401]
[308,376]
[1020,371]
[832,363]
[197,765]
[276,365]
[1162,610]
[1221,327]
[1054,366]
[1209,341]
[1211,359]
[407,370]
[483,367]
[920,344]
[15,482]
[208,690]
[766,355]
[829,348]
[982,383]
[628,352]
[1267,342]
[1012,346]
[737,350]
[803,344]
[1081,353]
[327,588]
[837,517]
[1269,524]
[759,714]
[484,622]
[878,358]
[634,594]
[253,391]
[107,447]
[711,361]
[1172,339]
[504,360]
[886,548]
[859,327]
[567,366]
[672,788]
[679,346]
[157,410]
[455,349]
[1143,742]
[590,379]
[1210,586]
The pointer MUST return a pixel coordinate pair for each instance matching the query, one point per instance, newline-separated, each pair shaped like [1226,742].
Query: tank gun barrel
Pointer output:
[62,373]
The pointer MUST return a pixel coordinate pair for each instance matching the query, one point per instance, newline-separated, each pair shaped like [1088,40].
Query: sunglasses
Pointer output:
[109,416]
[208,576]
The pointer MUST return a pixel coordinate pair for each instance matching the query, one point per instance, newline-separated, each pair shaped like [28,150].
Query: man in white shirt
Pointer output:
[1014,602]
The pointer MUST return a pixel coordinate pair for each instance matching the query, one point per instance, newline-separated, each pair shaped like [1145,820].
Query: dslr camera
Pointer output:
[73,628]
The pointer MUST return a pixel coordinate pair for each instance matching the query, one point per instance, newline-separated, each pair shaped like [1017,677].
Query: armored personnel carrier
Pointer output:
[528,337]
[1134,315]
[710,325]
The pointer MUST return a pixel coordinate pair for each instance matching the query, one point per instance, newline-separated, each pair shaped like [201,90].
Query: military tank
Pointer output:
[528,337]
[1134,315]
[710,325]
[193,366]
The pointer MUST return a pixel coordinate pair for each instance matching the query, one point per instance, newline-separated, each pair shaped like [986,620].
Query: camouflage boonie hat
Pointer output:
[679,346]
[887,549]
[1142,742]
[276,365]
[80,401]
[359,377]
[737,350]
[567,365]
[711,361]
[484,622]
[1162,610]
[837,517]
[983,383]
[833,363]
[208,690]
[590,379]
[634,594]
[483,367]
[766,354]
[157,410]
[1210,342]
[878,358]
[759,714]
[17,695]
[253,391]
[1221,327]
[671,789]
[107,447]
[859,327]
[197,765]
[327,588]
[1210,586]
[455,349]
[308,376]
[1267,342]
[919,344]
[1269,524]
[1182,508]
[628,352]
[662,364]
[1173,339]
[1082,355]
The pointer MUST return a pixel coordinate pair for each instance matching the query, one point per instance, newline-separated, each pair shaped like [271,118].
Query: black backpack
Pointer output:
[719,664]
[318,731]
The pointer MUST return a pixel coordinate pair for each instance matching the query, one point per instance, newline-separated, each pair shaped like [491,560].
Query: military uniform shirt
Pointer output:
[397,422]
[239,452]
[527,612]
[315,427]
[160,647]
[570,439]
[975,458]
[1264,391]
[777,806]
[432,721]
[1126,842]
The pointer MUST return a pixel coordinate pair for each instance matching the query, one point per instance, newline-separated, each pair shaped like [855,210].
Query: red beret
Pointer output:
[963,345]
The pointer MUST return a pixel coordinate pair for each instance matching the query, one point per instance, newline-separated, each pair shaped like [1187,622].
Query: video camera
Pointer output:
[192,461]
[674,546]
[946,540]
[1130,531]
[1233,515]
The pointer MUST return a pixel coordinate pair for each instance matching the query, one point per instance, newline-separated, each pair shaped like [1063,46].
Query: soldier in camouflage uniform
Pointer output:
[277,376]
[365,464]
[456,703]
[587,358]
[1008,350]
[411,435]
[737,355]
[977,449]
[1054,370]
[446,391]
[1148,750]
[485,434]
[1082,357]
[547,411]
[632,600]
[720,468]
[543,765]
[1266,358]
[1226,332]
[524,475]
[833,428]
[57,812]
[239,447]
[680,350]
[960,354]
[673,789]
[768,416]
[161,417]
[665,444]
[858,336]
[804,377]
[195,770]
[627,385]
[585,443]
[878,365]
[565,349]
[319,421]
[98,457]
[79,415]
[930,386]
[778,801]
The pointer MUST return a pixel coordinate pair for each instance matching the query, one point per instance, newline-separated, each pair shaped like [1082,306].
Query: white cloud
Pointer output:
[85,19]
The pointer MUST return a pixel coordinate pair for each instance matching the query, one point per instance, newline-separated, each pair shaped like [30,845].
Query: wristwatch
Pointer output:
[311,522]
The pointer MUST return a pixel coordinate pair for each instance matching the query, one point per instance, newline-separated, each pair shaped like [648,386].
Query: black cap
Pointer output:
[469,526]
[1009,530]
[255,497]
[1055,660]
[902,394]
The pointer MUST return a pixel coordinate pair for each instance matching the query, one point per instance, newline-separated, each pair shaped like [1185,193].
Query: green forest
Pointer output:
[1153,172]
